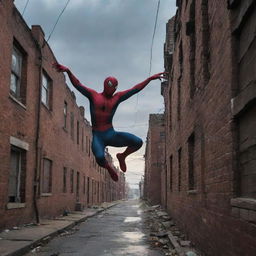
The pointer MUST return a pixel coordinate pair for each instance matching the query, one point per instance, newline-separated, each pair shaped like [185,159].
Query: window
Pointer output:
[72,181]
[72,125]
[65,112]
[88,190]
[247,153]
[179,99]
[170,108]
[87,147]
[77,185]
[84,181]
[162,136]
[179,169]
[64,180]
[17,176]
[82,139]
[171,170]
[47,176]
[77,132]
[191,32]
[181,58]
[16,72]
[18,65]
[206,58]
[191,163]
[46,90]
[233,3]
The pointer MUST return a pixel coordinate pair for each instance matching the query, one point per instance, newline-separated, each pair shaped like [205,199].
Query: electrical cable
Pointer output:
[153,37]
[63,10]
[150,59]
[25,8]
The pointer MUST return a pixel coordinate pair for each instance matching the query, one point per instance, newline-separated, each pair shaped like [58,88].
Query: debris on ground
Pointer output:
[165,235]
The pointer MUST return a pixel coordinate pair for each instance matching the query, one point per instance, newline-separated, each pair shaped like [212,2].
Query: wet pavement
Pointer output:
[120,230]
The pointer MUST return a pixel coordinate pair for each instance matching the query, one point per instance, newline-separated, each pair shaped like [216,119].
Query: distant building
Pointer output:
[46,163]
[210,106]
[154,158]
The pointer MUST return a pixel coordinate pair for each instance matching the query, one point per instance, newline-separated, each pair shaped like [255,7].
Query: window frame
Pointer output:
[48,103]
[18,76]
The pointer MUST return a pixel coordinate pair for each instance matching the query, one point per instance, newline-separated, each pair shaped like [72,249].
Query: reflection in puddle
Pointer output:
[133,236]
[132,250]
[132,219]
[139,212]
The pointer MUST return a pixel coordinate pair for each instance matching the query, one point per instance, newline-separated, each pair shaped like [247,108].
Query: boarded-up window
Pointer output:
[47,176]
[17,176]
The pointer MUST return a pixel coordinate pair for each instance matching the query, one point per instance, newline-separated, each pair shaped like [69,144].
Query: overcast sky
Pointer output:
[100,38]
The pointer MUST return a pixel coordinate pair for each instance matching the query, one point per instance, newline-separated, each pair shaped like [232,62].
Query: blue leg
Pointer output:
[125,139]
[98,149]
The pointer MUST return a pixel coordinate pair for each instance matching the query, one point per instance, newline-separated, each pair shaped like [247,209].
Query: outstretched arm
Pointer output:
[76,83]
[124,95]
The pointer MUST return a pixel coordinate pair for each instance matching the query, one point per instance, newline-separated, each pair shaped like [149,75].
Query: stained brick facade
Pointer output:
[154,159]
[46,163]
[210,54]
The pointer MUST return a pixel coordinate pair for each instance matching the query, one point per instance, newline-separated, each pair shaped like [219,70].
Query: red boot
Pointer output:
[121,160]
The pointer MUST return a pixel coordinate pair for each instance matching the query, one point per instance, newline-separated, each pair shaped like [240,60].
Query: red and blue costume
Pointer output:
[102,108]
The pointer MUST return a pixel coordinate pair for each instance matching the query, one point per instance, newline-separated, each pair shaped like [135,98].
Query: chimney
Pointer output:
[38,34]
[81,108]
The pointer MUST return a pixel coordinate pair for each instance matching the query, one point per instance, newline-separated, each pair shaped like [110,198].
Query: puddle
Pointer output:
[132,219]
[139,212]
[132,250]
[133,236]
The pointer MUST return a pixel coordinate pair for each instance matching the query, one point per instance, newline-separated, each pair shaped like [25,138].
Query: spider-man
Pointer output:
[102,108]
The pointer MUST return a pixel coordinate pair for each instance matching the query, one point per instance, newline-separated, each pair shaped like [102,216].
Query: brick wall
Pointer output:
[38,131]
[210,141]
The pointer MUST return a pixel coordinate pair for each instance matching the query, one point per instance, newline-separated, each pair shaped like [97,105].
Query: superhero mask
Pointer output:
[110,85]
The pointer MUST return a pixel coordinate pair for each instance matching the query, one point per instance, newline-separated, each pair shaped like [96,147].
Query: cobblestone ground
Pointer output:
[121,230]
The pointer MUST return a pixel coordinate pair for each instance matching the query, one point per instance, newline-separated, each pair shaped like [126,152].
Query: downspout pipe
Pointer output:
[37,167]
[38,35]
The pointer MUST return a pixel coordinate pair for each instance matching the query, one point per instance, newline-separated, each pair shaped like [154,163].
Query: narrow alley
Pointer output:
[128,128]
[120,230]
